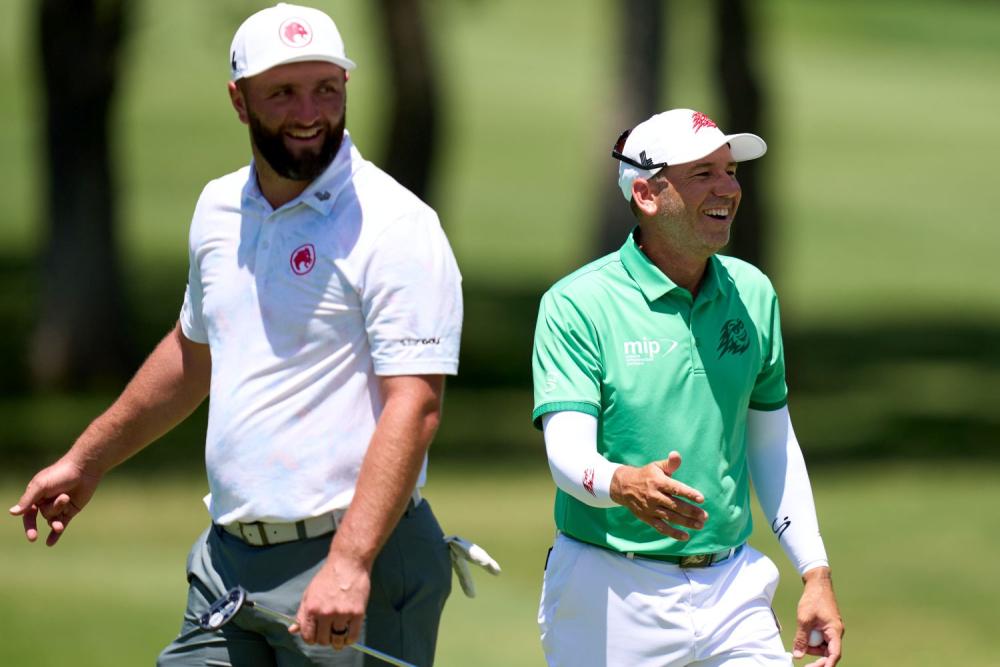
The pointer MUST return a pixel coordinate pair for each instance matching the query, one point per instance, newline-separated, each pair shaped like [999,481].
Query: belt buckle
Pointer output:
[697,560]
[261,533]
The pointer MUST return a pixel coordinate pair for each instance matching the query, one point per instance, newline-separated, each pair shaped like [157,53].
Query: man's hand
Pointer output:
[818,611]
[334,601]
[171,383]
[653,496]
[59,493]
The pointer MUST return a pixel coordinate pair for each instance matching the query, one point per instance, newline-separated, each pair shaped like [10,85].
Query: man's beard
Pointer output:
[309,165]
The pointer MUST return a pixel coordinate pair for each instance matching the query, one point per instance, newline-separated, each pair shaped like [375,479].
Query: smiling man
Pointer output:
[660,387]
[323,310]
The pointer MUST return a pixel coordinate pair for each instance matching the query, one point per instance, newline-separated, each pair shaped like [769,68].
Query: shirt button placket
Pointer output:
[264,244]
[696,352]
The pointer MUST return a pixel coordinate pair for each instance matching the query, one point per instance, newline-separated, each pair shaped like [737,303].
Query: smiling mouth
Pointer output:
[718,213]
[304,135]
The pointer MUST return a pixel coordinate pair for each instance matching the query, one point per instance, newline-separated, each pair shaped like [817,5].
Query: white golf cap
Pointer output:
[673,137]
[285,34]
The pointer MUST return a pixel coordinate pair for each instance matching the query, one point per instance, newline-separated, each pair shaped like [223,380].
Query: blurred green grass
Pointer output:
[910,553]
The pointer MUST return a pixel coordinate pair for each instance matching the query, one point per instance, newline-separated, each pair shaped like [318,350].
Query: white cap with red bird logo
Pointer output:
[673,137]
[285,34]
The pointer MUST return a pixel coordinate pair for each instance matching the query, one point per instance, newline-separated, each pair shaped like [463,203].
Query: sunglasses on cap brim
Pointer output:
[645,163]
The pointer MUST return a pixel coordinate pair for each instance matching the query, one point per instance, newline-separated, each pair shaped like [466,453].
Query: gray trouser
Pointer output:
[410,582]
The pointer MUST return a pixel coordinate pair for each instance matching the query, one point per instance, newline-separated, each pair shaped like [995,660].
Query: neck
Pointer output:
[685,269]
[277,189]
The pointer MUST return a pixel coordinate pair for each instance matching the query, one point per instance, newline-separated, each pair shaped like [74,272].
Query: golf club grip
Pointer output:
[360,647]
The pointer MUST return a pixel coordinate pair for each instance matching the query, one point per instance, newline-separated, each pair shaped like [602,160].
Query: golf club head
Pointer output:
[223,610]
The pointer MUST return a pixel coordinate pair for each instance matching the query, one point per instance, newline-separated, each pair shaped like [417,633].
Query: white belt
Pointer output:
[259,533]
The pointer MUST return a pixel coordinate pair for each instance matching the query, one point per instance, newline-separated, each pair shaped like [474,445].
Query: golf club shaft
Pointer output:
[360,647]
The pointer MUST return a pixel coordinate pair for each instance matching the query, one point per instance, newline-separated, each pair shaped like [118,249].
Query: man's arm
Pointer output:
[650,493]
[778,471]
[338,594]
[172,382]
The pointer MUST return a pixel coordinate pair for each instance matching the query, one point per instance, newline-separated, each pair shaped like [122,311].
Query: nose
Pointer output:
[306,111]
[726,186]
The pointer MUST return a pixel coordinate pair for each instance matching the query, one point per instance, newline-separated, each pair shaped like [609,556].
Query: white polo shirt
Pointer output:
[302,308]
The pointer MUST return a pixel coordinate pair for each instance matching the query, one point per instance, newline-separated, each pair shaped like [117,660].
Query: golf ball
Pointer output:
[215,620]
[816,638]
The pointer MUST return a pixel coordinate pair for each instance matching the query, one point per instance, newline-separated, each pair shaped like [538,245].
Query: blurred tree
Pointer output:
[413,127]
[735,60]
[641,82]
[81,333]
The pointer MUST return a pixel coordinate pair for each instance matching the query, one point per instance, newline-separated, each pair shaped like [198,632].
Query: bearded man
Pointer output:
[323,310]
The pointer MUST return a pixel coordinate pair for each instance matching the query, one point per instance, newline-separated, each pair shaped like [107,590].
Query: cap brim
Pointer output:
[346,63]
[746,146]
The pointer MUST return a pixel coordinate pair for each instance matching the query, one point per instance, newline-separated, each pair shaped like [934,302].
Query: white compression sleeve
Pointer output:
[577,468]
[779,476]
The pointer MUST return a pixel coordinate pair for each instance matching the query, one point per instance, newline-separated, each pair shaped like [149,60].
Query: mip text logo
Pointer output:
[642,352]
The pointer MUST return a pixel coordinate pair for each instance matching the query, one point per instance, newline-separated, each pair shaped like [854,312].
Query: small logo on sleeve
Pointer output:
[303,259]
[295,33]
[551,380]
[733,338]
[411,342]
[588,481]
[779,526]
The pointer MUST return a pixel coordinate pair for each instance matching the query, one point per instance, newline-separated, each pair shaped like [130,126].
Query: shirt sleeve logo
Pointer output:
[588,481]
[410,342]
[303,259]
[733,338]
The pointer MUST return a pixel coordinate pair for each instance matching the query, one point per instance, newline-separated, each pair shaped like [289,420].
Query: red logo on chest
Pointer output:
[303,259]
[700,120]
[588,481]
[295,33]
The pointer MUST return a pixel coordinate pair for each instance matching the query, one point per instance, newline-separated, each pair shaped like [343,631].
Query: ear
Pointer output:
[347,76]
[644,197]
[239,102]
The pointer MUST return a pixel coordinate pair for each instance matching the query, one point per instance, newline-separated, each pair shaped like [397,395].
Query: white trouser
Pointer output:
[601,608]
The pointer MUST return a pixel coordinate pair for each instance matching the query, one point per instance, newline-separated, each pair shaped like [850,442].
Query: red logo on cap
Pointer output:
[700,120]
[295,33]
[303,259]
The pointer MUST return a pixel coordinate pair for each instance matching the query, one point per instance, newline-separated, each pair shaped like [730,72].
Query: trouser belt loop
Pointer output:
[259,529]
[415,500]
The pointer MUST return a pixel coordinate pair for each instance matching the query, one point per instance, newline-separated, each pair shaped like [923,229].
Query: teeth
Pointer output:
[304,135]
[721,212]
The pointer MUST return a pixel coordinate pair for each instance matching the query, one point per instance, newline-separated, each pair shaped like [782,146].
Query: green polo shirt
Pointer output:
[619,340]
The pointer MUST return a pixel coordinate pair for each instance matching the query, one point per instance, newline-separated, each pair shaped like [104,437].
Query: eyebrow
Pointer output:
[290,84]
[703,165]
